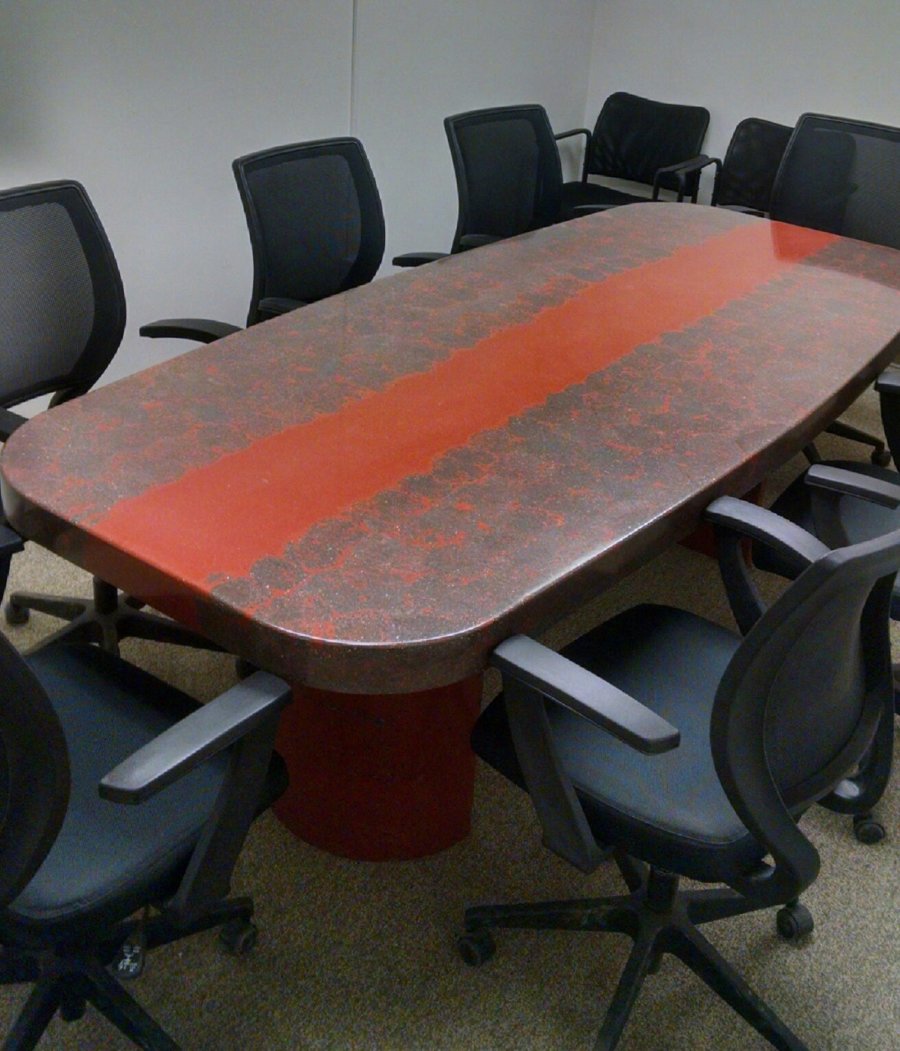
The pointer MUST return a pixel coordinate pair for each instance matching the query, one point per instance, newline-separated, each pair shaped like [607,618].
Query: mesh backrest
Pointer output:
[315,219]
[62,311]
[815,672]
[508,171]
[34,774]
[751,164]
[842,176]
[634,137]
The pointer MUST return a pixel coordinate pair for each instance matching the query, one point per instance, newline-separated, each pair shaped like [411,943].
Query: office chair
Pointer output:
[508,177]
[316,228]
[844,502]
[62,316]
[642,142]
[841,176]
[745,176]
[690,751]
[125,807]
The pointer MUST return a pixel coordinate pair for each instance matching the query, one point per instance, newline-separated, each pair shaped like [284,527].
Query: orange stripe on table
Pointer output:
[216,521]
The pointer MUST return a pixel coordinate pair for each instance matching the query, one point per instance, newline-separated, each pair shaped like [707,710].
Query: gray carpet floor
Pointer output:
[354,955]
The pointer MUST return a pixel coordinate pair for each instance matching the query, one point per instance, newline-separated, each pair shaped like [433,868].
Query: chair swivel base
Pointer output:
[66,982]
[105,619]
[659,920]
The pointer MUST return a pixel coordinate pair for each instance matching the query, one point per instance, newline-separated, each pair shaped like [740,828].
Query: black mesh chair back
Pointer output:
[62,312]
[841,176]
[34,785]
[825,639]
[508,172]
[634,137]
[315,220]
[748,170]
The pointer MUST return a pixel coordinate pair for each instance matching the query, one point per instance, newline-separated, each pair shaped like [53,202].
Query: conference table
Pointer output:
[367,495]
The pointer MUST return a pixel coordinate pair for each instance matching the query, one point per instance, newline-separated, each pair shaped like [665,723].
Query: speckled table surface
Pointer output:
[369,493]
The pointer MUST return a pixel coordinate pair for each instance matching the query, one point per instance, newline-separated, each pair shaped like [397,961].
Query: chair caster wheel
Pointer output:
[881,457]
[16,614]
[794,921]
[476,947]
[867,829]
[238,937]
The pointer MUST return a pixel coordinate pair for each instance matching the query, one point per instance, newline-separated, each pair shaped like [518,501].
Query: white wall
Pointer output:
[419,60]
[741,58]
[148,101]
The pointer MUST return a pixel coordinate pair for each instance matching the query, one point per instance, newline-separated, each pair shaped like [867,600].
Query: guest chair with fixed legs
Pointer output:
[746,175]
[316,228]
[841,176]
[125,805]
[689,751]
[642,142]
[62,316]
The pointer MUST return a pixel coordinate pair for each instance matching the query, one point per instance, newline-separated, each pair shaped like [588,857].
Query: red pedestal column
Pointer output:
[380,777]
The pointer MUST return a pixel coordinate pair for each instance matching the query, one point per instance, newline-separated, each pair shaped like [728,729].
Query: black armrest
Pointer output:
[586,694]
[9,422]
[681,171]
[736,520]
[194,739]
[470,241]
[10,544]
[573,131]
[888,387]
[888,382]
[199,329]
[852,483]
[417,258]
[275,306]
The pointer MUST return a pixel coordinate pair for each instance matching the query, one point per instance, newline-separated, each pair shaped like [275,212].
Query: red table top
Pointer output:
[371,492]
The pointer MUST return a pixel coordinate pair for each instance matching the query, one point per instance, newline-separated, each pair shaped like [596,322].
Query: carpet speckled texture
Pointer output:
[355,955]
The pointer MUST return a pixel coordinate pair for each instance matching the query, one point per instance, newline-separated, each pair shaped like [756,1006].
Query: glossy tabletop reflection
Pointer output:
[369,493]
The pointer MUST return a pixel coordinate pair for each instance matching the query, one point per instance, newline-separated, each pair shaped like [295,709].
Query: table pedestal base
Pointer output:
[380,777]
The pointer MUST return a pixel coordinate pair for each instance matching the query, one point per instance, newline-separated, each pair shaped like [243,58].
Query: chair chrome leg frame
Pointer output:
[66,983]
[659,919]
[104,619]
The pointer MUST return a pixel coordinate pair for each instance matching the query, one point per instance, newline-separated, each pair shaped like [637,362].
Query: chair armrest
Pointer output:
[199,329]
[852,483]
[888,382]
[469,241]
[573,131]
[532,674]
[190,742]
[275,306]
[681,171]
[586,694]
[9,422]
[736,520]
[417,258]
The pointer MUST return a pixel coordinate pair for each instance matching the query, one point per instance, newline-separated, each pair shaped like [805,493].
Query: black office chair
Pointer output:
[316,228]
[62,316]
[691,752]
[87,884]
[640,141]
[745,177]
[844,502]
[508,177]
[841,176]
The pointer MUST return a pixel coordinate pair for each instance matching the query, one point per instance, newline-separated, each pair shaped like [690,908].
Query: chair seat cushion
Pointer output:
[669,810]
[861,519]
[109,858]
[575,193]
